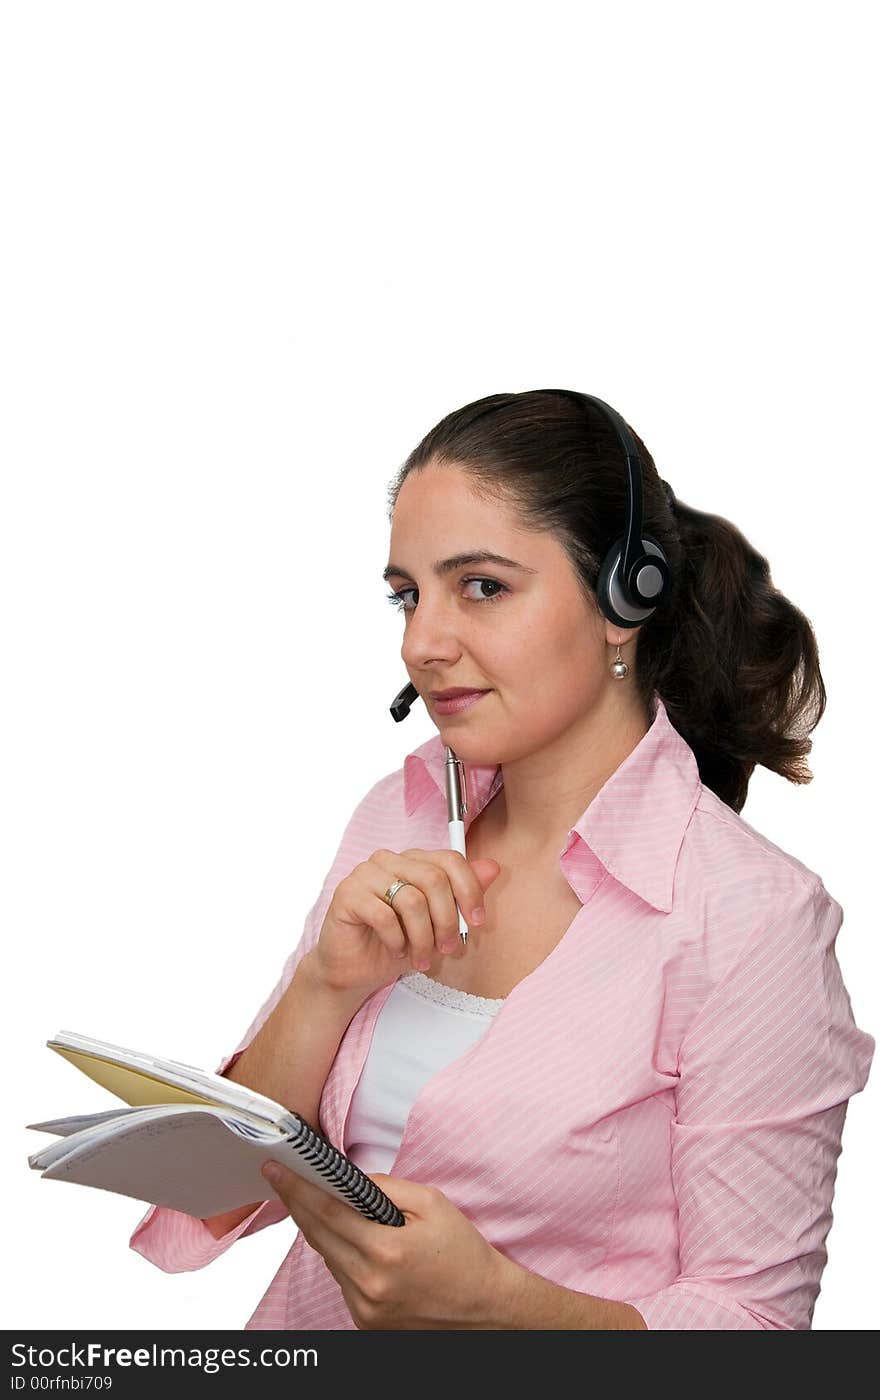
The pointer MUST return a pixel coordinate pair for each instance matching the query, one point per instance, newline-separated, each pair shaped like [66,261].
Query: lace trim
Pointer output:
[431,990]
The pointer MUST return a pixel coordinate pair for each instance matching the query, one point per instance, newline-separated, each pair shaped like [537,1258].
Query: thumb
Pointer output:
[409,1196]
[486,870]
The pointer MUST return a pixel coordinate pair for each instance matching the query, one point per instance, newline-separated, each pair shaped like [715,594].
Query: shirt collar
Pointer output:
[634,825]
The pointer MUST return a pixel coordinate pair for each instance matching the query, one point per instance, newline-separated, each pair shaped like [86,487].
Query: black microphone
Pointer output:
[400,706]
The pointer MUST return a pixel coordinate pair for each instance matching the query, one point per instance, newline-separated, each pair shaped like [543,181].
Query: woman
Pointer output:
[621,1102]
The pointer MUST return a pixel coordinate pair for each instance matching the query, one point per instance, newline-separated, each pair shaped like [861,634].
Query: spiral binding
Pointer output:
[345,1176]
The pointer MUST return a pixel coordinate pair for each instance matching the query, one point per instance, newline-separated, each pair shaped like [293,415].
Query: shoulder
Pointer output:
[754,959]
[730,845]
[378,820]
[734,885]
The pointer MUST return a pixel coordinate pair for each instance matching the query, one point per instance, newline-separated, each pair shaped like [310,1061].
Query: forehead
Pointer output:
[440,510]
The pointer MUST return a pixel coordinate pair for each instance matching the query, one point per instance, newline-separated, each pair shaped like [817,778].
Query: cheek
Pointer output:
[557,664]
[550,695]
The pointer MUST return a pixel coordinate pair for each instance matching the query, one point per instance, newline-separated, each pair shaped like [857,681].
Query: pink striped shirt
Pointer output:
[656,1112]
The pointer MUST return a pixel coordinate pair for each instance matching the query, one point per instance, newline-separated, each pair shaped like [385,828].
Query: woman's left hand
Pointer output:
[436,1271]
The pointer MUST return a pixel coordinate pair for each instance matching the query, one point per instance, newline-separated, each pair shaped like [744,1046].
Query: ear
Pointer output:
[615,634]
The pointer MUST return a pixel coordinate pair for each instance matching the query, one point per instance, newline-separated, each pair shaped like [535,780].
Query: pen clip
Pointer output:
[456,786]
[462,783]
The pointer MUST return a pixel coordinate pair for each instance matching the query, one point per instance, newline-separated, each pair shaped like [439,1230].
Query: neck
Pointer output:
[545,793]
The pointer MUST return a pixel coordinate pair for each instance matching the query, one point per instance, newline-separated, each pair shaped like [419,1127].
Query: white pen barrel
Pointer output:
[456,843]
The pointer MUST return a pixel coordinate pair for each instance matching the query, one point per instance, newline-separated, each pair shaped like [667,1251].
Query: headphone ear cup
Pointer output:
[603,585]
[654,557]
[609,592]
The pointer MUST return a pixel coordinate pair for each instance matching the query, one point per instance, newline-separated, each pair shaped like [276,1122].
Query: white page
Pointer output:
[186,1158]
[74,1123]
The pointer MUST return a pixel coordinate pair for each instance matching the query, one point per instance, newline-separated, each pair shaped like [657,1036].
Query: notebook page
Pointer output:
[187,1159]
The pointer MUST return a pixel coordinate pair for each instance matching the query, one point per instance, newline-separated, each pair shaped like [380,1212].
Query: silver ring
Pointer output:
[392,890]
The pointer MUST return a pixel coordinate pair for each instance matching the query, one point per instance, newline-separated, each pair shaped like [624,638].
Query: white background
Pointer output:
[252,253]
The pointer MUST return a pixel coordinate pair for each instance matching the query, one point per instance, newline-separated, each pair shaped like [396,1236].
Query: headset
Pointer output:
[635,576]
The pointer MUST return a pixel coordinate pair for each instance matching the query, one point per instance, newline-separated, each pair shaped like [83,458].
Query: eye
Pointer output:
[398,598]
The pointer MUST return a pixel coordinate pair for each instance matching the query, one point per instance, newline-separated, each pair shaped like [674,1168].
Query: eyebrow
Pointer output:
[446,566]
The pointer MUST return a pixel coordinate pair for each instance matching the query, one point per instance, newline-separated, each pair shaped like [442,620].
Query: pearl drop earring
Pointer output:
[619,668]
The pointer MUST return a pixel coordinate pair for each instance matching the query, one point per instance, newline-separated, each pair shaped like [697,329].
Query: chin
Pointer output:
[482,753]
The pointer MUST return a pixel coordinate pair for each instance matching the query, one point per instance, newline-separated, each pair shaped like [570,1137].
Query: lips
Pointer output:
[455,693]
[454,704]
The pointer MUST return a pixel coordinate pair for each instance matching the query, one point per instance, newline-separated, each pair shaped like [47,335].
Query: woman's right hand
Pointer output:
[364,941]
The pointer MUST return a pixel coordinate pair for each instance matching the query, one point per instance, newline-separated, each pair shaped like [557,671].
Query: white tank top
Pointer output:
[422,1027]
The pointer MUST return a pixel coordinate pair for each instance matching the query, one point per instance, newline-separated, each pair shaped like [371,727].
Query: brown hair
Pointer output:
[734,661]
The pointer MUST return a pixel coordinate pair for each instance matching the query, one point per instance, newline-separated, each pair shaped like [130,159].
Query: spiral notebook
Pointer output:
[191,1140]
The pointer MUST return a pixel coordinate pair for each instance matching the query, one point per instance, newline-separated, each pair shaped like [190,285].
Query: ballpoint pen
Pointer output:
[456,807]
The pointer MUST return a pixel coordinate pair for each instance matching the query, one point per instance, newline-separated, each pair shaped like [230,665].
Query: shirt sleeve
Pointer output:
[177,1242]
[765,1072]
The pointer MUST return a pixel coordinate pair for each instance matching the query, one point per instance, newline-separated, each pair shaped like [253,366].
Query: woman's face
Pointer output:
[523,633]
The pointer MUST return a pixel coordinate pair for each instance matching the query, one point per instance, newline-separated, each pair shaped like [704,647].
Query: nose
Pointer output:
[430,636]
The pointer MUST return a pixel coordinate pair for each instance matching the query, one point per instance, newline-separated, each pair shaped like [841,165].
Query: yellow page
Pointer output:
[134,1086]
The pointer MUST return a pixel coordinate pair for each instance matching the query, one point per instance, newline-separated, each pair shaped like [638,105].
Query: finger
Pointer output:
[411,1197]
[434,881]
[345,1240]
[319,1215]
[467,890]
[410,903]
[448,883]
[442,925]
[345,1261]
[383,919]
[356,902]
